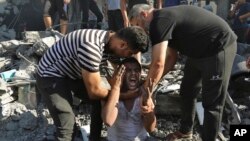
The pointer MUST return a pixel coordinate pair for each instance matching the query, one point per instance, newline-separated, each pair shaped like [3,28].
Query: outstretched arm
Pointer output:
[92,81]
[109,107]
[158,61]
[147,108]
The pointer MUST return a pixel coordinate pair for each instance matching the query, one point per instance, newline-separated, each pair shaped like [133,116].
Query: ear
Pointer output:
[123,44]
[143,14]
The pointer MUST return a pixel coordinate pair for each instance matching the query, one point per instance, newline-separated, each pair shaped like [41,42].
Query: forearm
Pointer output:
[159,4]
[124,11]
[149,121]
[155,71]
[98,93]
[123,8]
[245,16]
[110,110]
[169,64]
[92,81]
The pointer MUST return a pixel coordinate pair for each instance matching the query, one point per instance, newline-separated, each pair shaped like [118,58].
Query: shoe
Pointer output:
[178,135]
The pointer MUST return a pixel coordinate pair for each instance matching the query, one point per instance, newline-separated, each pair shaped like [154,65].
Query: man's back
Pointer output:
[189,29]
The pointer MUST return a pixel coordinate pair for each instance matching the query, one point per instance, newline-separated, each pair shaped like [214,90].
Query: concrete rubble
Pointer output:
[23,117]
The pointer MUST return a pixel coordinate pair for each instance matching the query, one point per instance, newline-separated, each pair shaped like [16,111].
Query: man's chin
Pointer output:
[132,87]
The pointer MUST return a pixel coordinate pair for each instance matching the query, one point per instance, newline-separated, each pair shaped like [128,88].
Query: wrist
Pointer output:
[115,87]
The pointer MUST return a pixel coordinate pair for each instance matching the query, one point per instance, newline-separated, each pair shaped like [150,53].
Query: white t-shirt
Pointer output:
[113,4]
[128,125]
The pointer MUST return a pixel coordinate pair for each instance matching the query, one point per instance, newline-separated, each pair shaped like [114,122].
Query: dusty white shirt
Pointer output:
[128,125]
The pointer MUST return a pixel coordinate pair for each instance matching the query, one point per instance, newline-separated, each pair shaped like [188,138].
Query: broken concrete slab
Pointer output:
[168,104]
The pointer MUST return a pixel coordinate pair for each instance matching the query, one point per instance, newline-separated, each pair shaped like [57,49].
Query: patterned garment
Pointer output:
[80,49]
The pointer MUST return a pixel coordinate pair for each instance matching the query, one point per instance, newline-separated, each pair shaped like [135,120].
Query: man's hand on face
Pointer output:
[117,77]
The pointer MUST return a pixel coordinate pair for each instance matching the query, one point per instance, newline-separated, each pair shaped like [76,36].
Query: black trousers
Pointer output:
[57,94]
[87,5]
[242,34]
[212,74]
[53,6]
[115,20]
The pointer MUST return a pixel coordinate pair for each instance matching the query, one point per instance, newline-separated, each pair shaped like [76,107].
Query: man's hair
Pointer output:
[136,38]
[131,60]
[137,9]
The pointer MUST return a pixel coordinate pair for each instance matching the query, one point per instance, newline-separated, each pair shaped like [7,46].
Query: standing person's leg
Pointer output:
[115,20]
[118,20]
[58,99]
[48,11]
[215,78]
[84,4]
[190,88]
[63,15]
[95,9]
[96,121]
[111,20]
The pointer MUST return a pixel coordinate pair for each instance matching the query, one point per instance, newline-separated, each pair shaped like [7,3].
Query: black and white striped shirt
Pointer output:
[81,49]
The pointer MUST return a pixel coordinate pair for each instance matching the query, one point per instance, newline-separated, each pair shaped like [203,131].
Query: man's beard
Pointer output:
[146,26]
[107,49]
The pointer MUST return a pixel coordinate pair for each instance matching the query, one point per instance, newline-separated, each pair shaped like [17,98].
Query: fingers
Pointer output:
[121,70]
[147,108]
[151,87]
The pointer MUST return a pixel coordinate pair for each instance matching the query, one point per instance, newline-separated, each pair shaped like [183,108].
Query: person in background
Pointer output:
[72,65]
[91,5]
[126,119]
[240,13]
[53,6]
[210,47]
[115,20]
[207,6]
[168,3]
[248,62]
[126,5]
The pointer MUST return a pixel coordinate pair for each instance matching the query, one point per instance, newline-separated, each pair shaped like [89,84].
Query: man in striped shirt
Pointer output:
[72,66]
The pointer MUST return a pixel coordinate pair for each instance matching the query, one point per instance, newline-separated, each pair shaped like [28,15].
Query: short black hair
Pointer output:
[131,60]
[136,38]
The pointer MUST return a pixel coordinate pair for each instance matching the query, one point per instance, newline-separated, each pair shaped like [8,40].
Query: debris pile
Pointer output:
[22,119]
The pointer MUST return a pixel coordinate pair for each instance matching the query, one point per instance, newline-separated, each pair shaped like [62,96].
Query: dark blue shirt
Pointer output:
[245,8]
[168,3]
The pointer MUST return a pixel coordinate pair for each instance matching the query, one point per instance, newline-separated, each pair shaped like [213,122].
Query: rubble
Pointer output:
[24,118]
[21,118]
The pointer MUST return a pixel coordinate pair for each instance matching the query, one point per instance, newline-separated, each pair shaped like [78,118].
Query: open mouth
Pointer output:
[132,83]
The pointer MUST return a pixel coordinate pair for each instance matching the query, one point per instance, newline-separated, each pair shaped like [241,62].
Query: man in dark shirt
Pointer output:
[210,46]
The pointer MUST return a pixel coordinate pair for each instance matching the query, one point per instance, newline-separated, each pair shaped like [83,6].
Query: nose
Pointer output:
[133,71]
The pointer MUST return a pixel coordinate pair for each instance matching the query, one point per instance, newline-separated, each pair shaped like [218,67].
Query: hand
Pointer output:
[248,63]
[147,104]
[242,20]
[149,107]
[126,22]
[117,77]
[66,1]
